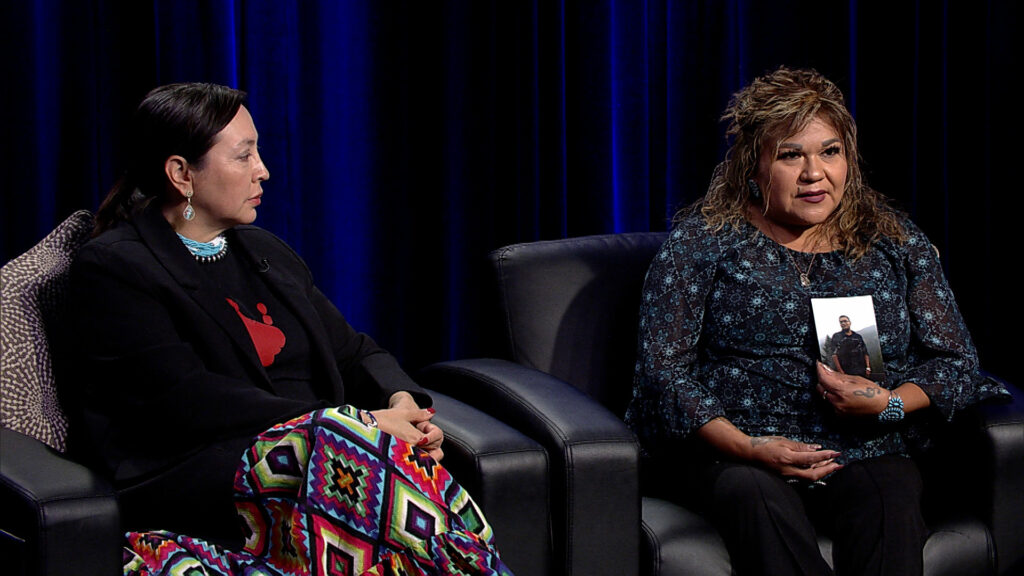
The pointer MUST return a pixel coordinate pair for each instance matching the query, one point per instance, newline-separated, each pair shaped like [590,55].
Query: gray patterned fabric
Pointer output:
[32,288]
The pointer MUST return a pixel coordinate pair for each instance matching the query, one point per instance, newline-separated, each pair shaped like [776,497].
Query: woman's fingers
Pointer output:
[814,473]
[413,425]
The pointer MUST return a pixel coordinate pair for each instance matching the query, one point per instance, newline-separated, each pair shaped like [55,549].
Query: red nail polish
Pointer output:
[431,410]
[423,441]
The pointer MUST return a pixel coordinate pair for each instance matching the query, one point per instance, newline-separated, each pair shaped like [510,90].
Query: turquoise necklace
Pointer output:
[205,252]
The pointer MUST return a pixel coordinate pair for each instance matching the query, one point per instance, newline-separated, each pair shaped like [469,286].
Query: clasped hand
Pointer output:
[794,459]
[405,420]
[851,395]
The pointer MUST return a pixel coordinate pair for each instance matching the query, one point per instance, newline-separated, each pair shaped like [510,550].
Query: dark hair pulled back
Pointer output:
[173,120]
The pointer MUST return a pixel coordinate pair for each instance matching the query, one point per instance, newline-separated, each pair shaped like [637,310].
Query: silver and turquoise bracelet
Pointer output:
[893,410]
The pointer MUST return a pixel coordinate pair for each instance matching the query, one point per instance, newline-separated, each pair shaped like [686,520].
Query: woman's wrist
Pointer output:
[893,411]
[914,398]
[727,439]
[401,397]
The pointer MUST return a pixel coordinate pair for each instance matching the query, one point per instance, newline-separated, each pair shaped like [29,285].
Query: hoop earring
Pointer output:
[189,213]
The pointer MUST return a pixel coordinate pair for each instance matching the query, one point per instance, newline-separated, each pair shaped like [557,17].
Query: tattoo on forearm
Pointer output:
[868,392]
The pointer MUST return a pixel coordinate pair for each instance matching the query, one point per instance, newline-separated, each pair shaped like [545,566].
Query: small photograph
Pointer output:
[848,335]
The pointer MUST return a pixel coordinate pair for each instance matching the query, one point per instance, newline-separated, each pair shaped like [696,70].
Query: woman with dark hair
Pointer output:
[201,338]
[729,363]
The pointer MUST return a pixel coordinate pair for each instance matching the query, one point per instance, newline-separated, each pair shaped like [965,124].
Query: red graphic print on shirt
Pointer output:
[268,339]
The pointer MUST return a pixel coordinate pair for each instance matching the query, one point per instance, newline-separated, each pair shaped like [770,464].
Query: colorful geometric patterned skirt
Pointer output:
[324,494]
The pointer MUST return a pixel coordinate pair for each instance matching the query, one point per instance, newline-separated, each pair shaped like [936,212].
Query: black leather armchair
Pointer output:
[58,517]
[568,310]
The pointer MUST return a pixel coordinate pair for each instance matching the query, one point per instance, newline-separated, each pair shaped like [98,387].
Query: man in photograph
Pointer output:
[849,354]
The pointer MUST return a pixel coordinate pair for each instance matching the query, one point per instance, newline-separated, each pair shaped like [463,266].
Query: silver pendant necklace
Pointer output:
[805,276]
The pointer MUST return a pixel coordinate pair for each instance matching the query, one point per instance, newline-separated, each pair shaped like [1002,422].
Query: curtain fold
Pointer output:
[405,140]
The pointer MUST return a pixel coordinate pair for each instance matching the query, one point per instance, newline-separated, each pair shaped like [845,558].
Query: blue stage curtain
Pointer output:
[405,140]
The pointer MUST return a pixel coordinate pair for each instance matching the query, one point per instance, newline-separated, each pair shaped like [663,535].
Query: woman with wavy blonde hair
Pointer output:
[766,113]
[729,363]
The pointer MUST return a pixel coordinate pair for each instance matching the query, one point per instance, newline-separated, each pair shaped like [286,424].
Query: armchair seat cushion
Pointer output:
[678,542]
[959,546]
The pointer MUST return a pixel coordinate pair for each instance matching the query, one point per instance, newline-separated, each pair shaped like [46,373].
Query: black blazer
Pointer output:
[162,365]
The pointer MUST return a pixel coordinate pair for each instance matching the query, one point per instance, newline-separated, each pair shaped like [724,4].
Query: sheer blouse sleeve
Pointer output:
[942,360]
[669,400]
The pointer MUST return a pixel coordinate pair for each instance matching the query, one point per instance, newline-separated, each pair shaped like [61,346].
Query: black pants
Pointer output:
[871,509]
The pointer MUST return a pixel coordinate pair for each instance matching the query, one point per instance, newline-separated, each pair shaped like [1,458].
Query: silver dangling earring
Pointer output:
[189,213]
[755,190]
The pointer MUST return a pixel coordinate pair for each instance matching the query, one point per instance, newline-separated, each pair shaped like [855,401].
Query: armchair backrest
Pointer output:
[570,308]
[32,296]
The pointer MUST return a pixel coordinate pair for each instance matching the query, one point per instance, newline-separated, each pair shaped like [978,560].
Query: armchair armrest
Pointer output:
[59,517]
[997,450]
[507,475]
[977,471]
[594,458]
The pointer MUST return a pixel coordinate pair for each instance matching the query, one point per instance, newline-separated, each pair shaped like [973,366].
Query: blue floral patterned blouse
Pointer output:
[726,330]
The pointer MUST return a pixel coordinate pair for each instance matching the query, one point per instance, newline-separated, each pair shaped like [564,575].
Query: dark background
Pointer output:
[405,140]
